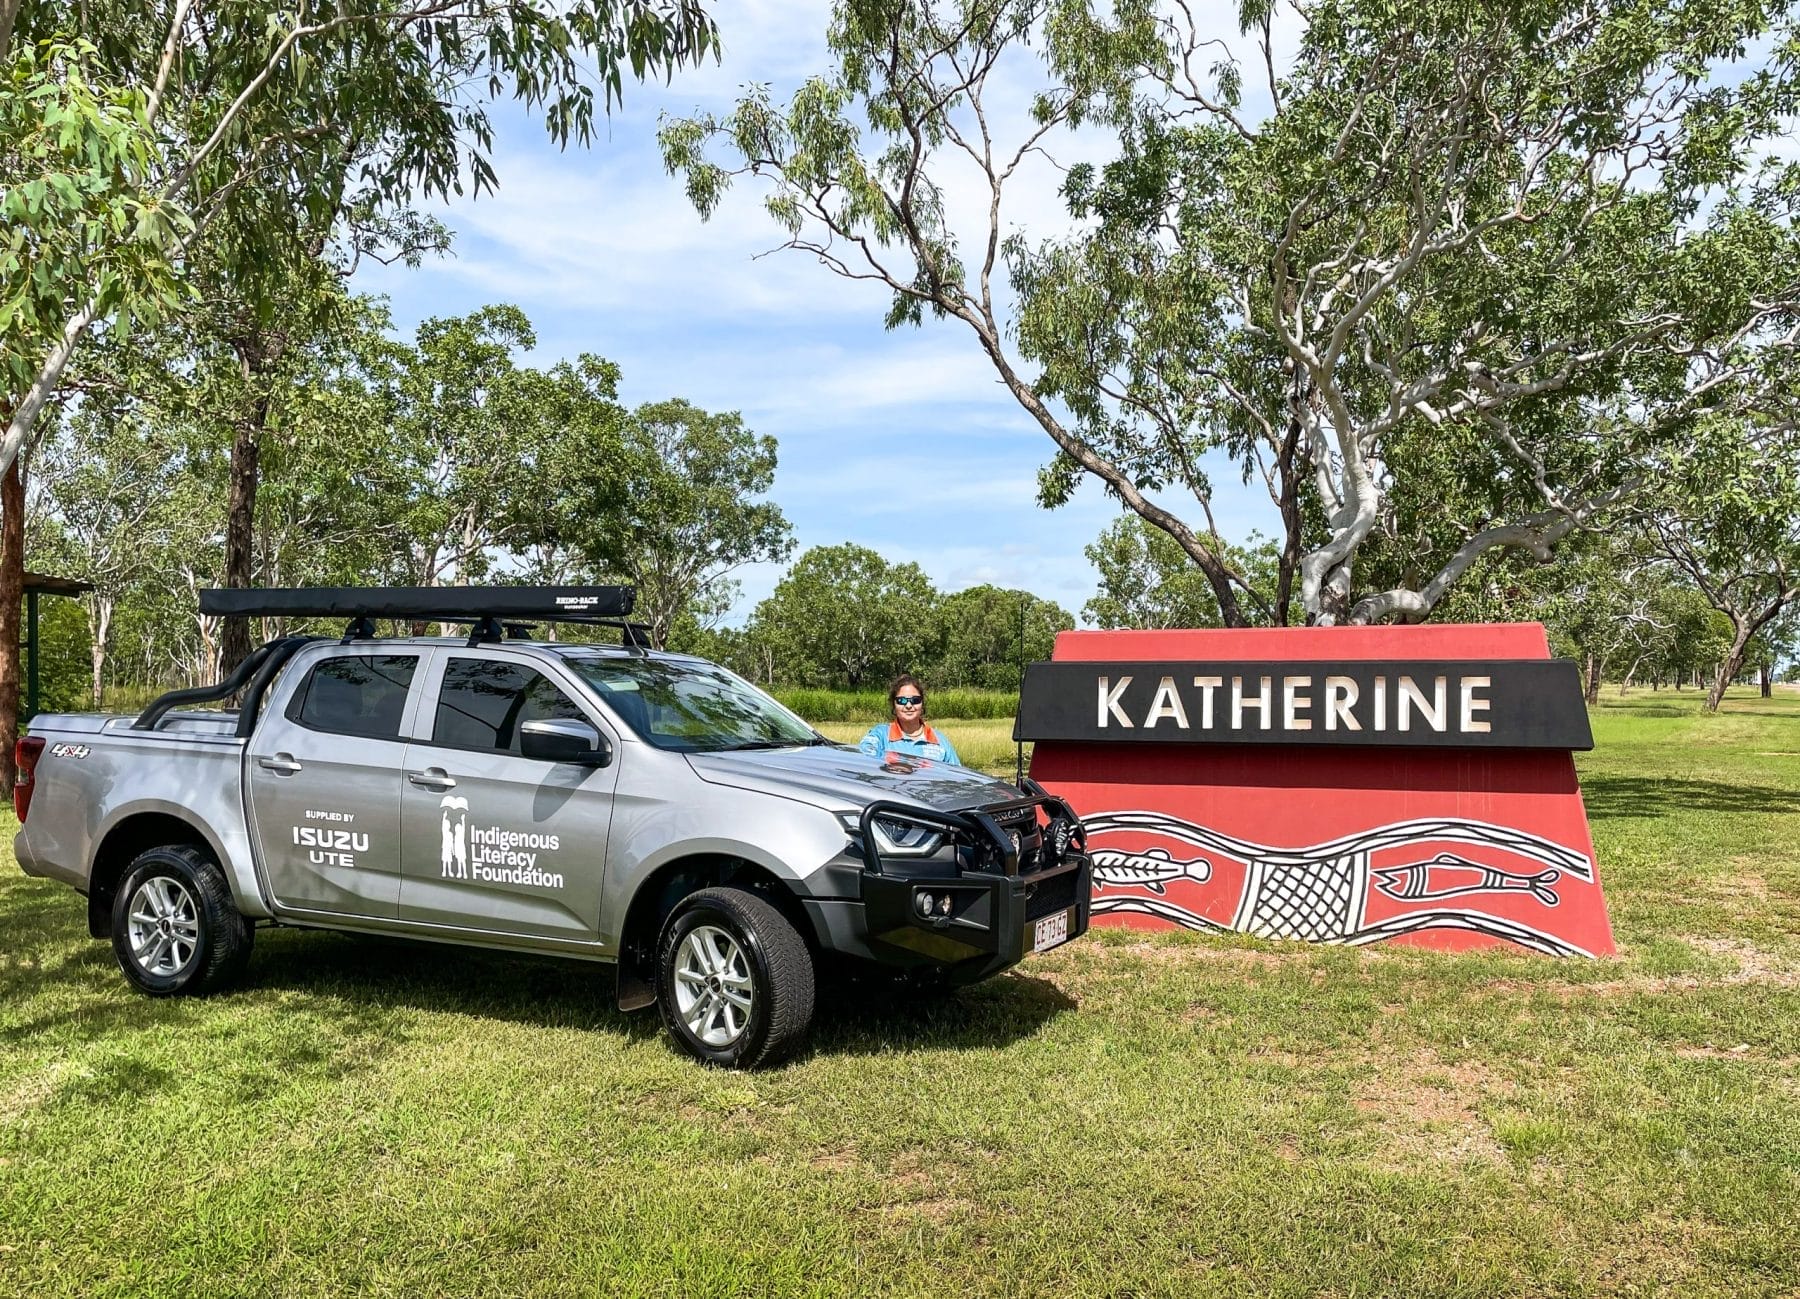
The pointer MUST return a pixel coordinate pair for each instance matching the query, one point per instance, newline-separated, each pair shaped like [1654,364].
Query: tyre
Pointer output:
[734,980]
[175,928]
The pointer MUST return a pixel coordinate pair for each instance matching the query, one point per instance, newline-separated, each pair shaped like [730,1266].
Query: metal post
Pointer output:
[31,655]
[1019,745]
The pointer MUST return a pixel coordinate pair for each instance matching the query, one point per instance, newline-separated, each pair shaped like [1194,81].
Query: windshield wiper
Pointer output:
[760,744]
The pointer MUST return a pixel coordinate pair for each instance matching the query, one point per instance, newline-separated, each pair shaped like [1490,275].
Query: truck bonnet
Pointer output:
[834,778]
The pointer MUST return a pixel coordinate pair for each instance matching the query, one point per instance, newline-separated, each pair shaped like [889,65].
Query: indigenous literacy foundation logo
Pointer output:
[490,854]
[1431,873]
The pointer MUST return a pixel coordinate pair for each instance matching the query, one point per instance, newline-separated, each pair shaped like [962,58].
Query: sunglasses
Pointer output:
[907,701]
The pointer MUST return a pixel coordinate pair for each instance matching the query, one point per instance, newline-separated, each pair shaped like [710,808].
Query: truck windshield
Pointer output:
[689,707]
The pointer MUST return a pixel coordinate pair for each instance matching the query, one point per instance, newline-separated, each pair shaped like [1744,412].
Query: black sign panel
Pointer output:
[1511,704]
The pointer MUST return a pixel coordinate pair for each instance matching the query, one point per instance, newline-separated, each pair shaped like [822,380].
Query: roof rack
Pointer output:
[424,603]
[494,610]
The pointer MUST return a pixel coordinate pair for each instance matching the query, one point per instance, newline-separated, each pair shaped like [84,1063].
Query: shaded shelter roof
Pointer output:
[55,585]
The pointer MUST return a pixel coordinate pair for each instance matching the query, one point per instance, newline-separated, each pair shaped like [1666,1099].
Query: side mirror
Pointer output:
[565,741]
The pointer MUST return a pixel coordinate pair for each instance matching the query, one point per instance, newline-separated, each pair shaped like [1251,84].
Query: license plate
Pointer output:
[1050,931]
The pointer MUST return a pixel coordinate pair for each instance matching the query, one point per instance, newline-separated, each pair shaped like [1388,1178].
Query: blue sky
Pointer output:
[904,442]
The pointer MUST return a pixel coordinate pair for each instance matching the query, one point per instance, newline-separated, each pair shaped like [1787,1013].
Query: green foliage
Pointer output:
[64,668]
[670,498]
[844,616]
[1729,519]
[987,632]
[78,206]
[1478,274]
[1146,580]
[238,142]
[870,706]
[442,459]
[471,437]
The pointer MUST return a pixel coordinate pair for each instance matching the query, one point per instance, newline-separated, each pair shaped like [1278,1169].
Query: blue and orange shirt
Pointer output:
[886,737]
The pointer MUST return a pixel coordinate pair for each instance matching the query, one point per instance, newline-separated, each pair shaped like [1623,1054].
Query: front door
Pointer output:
[494,840]
[325,786]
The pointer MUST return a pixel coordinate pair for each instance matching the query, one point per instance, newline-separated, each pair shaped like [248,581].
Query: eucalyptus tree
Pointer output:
[1146,580]
[162,122]
[1607,605]
[471,431]
[990,632]
[843,615]
[1502,256]
[1731,523]
[109,483]
[141,140]
[668,497]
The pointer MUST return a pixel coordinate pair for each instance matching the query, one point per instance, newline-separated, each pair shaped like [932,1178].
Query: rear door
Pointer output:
[494,840]
[324,781]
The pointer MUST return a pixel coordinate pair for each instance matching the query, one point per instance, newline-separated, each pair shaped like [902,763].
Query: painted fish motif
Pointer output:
[1149,870]
[1449,876]
[1319,892]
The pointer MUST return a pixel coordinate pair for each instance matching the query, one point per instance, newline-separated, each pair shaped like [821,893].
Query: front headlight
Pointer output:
[894,837]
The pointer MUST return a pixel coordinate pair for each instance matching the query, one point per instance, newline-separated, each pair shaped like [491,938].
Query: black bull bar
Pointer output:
[1013,865]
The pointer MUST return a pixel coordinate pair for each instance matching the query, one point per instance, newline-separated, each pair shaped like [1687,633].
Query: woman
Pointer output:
[908,734]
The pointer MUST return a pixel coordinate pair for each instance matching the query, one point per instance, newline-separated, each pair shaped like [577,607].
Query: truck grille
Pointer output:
[1052,894]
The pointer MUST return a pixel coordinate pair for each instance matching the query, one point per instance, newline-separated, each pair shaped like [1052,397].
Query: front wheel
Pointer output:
[175,928]
[734,980]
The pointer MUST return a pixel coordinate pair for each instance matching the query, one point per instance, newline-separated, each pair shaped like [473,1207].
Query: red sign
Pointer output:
[1446,847]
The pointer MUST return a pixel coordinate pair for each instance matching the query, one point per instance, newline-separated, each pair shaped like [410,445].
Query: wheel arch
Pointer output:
[130,834]
[661,892]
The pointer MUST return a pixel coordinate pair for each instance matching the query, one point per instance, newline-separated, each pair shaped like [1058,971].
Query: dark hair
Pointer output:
[907,679]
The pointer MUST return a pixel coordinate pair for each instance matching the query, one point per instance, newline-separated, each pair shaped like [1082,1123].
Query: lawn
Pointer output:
[1181,1115]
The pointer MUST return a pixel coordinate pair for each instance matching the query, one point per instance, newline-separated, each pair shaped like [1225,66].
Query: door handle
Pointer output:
[282,764]
[432,778]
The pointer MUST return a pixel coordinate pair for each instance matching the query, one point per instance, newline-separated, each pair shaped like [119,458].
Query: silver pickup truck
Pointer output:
[606,803]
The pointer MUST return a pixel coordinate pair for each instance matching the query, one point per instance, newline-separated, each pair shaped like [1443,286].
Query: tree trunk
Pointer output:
[12,596]
[1630,672]
[240,531]
[99,629]
[1733,664]
[9,13]
[1593,679]
[1764,680]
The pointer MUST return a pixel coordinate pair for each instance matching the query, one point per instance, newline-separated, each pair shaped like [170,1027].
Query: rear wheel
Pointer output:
[175,928]
[734,980]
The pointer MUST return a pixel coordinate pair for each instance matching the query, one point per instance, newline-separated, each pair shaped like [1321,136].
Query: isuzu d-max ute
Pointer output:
[606,803]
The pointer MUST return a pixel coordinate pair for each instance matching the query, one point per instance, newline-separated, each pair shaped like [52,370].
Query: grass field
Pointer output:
[1180,1115]
[984,742]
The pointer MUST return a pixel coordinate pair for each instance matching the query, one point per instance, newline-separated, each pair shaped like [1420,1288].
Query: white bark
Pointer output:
[99,615]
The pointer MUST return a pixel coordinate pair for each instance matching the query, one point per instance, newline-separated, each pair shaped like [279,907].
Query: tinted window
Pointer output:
[689,706]
[483,702]
[360,695]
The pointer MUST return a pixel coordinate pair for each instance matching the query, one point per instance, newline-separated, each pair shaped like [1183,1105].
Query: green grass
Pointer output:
[868,706]
[986,743]
[1179,1115]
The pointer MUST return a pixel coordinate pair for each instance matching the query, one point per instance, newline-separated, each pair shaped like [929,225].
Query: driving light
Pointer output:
[944,905]
[924,900]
